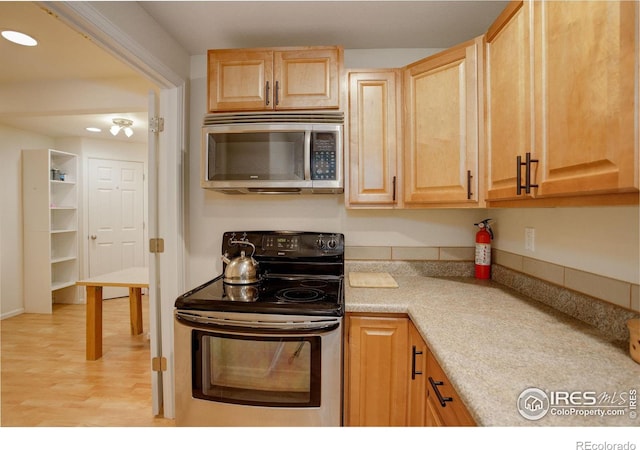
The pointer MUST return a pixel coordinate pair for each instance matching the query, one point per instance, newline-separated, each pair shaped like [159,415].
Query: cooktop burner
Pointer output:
[300,294]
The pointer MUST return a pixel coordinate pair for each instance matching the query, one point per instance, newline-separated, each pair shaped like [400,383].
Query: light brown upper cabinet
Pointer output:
[562,94]
[374,137]
[508,113]
[274,79]
[441,126]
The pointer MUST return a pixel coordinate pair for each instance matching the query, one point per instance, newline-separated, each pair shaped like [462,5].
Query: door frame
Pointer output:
[169,269]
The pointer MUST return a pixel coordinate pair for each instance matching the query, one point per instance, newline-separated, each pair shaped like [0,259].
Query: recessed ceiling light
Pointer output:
[19,38]
[93,129]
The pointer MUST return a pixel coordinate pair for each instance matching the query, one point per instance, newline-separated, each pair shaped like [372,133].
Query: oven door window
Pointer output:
[257,370]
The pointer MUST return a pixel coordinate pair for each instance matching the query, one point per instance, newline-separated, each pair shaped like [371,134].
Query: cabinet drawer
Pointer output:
[450,410]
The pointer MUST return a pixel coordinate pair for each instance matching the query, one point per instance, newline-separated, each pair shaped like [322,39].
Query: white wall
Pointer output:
[12,141]
[600,240]
[603,240]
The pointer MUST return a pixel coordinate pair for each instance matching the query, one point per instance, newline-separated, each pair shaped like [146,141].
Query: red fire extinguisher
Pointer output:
[483,249]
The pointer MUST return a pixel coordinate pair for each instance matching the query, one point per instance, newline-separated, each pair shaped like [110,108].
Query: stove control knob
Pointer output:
[332,244]
[320,243]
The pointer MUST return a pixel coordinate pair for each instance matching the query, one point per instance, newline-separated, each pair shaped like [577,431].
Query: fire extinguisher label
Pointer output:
[483,254]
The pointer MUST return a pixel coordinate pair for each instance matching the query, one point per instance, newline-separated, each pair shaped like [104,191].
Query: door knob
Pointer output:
[94,237]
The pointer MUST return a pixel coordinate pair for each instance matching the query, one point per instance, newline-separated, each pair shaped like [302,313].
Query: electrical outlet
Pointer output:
[530,239]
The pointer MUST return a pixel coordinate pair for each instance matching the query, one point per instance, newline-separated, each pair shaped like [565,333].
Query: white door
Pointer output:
[116,218]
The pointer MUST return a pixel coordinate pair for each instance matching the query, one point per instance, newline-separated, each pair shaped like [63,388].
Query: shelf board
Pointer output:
[69,182]
[61,285]
[63,231]
[63,207]
[62,259]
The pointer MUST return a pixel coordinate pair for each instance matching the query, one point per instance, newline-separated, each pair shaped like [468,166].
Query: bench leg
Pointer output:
[135,310]
[94,322]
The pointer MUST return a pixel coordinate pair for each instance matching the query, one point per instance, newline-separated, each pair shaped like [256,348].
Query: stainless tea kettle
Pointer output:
[241,269]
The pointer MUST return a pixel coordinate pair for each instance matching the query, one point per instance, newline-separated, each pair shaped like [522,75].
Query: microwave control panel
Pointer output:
[323,156]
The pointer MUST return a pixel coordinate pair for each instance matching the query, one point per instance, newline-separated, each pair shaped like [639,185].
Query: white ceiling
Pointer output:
[67,83]
[202,25]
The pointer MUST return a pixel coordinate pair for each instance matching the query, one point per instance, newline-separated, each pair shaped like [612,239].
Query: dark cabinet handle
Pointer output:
[393,182]
[469,177]
[443,400]
[277,93]
[267,94]
[519,185]
[414,353]
[527,168]
[527,174]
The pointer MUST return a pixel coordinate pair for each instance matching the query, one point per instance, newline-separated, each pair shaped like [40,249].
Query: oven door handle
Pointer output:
[258,327]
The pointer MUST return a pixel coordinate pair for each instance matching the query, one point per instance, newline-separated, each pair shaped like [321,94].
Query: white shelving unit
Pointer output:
[50,216]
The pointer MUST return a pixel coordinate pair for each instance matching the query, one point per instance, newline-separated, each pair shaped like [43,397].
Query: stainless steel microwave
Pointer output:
[273,153]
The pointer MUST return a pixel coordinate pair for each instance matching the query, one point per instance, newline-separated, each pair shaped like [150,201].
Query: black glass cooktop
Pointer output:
[302,295]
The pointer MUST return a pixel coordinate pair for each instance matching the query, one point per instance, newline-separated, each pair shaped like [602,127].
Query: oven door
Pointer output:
[257,370]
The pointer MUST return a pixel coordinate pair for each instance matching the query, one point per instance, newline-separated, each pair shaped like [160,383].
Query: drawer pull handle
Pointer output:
[443,400]
[414,352]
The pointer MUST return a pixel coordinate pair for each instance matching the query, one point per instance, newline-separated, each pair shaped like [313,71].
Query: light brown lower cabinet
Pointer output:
[444,406]
[392,378]
[376,368]
[416,403]
[432,418]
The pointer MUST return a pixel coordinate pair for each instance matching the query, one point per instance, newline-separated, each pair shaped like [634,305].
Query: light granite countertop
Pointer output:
[494,343]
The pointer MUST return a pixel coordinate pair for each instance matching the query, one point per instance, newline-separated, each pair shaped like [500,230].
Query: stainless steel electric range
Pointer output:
[261,344]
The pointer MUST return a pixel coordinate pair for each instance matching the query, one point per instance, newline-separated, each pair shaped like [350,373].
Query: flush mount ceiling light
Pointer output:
[19,38]
[120,124]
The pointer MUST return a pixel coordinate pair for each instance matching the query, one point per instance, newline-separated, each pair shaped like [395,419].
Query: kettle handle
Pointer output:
[245,243]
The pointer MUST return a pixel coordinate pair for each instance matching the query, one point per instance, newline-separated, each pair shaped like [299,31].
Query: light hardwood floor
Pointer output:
[46,381]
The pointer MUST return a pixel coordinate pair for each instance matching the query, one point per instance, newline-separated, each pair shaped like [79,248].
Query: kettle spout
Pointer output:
[225,259]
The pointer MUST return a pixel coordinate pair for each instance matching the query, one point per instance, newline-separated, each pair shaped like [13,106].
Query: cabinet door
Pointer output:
[432,419]
[444,401]
[374,100]
[377,361]
[240,80]
[508,113]
[441,128]
[417,398]
[585,74]
[307,79]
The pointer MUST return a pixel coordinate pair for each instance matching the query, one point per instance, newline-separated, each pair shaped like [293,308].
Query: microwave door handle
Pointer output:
[307,155]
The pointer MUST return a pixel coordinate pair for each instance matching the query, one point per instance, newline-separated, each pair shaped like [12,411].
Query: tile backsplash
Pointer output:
[602,302]
[617,292]
[410,253]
